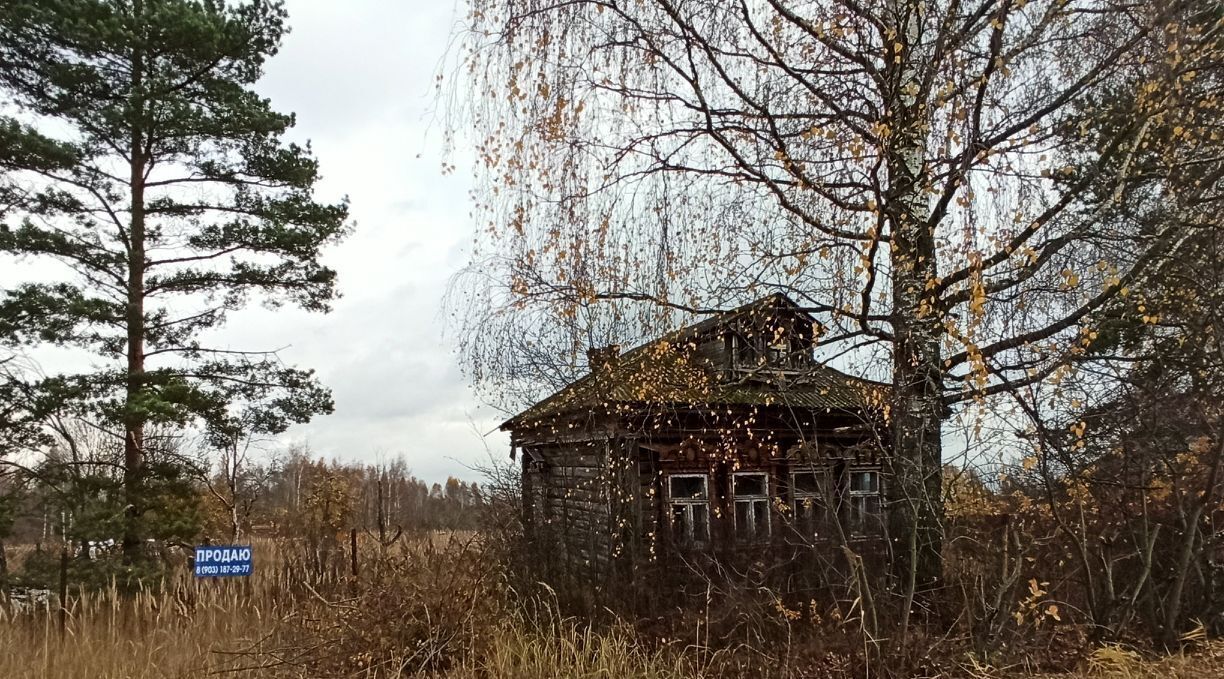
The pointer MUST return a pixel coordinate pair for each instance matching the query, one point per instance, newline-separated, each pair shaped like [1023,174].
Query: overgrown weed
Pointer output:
[436,607]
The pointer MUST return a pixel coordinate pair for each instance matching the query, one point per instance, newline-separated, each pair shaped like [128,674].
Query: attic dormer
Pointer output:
[772,342]
[771,335]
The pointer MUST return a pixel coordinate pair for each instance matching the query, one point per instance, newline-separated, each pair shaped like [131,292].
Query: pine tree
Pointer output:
[134,151]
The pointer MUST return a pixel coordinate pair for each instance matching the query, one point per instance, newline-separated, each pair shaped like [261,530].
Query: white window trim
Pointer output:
[857,530]
[735,499]
[689,503]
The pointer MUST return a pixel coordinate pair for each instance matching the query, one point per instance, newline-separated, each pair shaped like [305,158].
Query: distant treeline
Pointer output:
[302,492]
[75,494]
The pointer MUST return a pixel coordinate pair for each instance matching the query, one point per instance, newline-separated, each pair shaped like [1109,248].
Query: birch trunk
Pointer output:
[917,411]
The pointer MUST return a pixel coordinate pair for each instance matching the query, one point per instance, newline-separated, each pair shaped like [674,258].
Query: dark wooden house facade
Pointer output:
[722,443]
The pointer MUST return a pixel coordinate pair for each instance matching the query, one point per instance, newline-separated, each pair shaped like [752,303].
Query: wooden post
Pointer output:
[63,590]
[353,547]
[207,543]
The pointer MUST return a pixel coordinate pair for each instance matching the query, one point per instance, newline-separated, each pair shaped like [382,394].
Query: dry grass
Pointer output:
[428,608]
[188,628]
[1113,662]
[425,608]
[147,636]
[241,633]
[571,651]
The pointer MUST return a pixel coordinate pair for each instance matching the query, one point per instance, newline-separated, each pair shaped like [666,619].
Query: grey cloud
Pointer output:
[360,76]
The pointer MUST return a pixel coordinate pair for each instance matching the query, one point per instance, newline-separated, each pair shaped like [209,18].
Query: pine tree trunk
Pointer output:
[915,464]
[133,448]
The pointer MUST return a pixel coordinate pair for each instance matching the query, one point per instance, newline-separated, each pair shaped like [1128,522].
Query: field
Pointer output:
[442,618]
[429,607]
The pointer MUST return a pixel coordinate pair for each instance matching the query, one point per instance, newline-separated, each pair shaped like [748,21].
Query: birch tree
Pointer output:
[902,167]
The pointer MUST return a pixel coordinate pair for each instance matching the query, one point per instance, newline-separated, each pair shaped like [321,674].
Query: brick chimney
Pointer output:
[602,360]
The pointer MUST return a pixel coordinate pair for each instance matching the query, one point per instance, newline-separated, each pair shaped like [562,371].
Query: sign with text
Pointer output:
[213,561]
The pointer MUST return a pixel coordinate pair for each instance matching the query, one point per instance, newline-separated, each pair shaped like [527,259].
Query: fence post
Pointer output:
[63,589]
[353,547]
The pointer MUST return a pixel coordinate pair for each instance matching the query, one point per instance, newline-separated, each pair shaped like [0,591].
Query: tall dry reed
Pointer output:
[428,607]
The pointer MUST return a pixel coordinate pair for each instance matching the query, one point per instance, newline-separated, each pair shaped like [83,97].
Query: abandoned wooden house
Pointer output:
[721,442]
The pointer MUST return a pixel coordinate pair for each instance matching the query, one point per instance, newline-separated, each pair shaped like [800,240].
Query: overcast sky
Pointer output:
[359,75]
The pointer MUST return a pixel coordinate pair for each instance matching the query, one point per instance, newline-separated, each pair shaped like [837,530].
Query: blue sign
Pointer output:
[219,561]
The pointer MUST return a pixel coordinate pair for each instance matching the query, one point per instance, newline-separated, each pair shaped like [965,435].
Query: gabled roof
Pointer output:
[665,371]
[777,302]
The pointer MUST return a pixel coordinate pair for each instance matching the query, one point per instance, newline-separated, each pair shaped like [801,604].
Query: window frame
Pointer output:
[751,500]
[858,518]
[688,529]
[819,499]
[778,353]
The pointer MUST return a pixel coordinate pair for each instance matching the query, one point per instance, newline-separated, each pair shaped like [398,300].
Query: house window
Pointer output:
[690,507]
[800,352]
[864,500]
[808,495]
[750,492]
[751,354]
[779,354]
[780,348]
[747,351]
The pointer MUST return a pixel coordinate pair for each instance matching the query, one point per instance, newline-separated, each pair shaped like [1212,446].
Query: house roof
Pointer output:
[665,371]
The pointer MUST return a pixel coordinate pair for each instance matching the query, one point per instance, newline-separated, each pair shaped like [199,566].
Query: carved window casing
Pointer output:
[689,499]
[863,497]
[750,495]
[809,497]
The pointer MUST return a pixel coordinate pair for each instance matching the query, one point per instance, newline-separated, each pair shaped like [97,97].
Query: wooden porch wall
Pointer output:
[582,504]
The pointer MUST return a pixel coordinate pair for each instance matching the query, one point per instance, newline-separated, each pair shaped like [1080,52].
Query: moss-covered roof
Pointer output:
[666,372]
